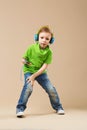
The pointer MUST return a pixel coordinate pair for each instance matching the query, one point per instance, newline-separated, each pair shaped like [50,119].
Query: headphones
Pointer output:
[36,38]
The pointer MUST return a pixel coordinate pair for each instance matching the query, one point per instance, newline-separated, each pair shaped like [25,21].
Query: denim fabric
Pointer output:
[45,83]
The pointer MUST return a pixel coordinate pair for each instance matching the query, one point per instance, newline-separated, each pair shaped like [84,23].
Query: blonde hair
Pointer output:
[45,29]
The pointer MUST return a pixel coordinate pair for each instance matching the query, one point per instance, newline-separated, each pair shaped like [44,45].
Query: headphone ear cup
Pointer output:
[52,40]
[36,37]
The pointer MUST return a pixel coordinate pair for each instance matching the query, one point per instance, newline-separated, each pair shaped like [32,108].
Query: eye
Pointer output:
[41,37]
[47,39]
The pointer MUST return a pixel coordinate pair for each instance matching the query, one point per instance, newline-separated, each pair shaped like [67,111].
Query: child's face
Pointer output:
[44,39]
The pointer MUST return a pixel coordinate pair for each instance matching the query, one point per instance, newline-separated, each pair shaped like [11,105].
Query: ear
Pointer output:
[52,40]
[36,37]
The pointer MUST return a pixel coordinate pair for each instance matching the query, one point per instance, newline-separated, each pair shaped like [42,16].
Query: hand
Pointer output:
[28,63]
[24,61]
[31,80]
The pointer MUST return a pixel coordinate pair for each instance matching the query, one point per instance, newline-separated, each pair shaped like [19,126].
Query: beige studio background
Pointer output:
[19,21]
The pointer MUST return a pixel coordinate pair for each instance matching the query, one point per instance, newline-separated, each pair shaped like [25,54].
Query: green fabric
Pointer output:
[37,57]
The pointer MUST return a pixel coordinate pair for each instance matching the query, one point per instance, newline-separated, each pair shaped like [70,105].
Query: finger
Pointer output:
[28,80]
[31,83]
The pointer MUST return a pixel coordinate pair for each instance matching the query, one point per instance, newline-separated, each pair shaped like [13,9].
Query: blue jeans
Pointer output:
[44,81]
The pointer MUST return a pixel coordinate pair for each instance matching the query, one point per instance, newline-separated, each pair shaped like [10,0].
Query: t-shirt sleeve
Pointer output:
[49,58]
[26,54]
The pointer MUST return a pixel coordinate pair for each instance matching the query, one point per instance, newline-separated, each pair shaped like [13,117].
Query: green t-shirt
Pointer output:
[37,57]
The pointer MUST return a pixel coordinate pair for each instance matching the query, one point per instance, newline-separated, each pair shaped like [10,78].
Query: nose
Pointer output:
[44,39]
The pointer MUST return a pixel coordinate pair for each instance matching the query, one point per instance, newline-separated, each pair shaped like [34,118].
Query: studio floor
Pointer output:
[74,119]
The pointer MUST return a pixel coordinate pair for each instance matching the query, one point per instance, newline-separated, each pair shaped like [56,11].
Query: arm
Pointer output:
[40,71]
[24,61]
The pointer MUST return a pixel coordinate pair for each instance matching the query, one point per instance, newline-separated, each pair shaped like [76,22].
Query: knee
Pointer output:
[29,88]
[52,92]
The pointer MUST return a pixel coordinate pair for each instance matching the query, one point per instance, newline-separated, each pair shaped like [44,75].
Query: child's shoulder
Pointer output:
[50,49]
[31,45]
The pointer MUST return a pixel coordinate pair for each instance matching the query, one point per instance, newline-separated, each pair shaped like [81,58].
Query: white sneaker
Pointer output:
[20,114]
[61,112]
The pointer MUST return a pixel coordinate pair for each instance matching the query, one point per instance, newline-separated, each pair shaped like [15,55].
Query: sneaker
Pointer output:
[60,111]
[20,114]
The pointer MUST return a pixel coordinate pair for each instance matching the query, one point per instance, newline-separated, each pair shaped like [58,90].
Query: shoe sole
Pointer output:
[61,113]
[20,115]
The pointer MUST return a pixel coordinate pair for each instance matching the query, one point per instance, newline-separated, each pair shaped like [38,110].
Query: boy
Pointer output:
[36,60]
